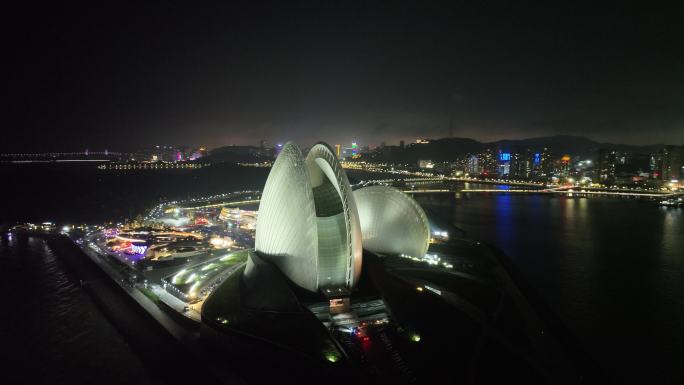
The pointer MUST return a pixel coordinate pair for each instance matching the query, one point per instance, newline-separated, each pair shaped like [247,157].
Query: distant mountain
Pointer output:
[441,149]
[572,145]
[449,149]
[559,144]
[235,154]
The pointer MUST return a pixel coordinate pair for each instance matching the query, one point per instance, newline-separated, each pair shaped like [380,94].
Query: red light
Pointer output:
[366,338]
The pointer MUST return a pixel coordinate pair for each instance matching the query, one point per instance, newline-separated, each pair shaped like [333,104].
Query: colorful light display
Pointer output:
[136,249]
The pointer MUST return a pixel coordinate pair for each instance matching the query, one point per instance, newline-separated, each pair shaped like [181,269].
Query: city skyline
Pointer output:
[256,143]
[232,73]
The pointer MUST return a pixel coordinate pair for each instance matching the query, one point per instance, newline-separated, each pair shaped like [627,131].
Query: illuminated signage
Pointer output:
[138,249]
[537,158]
[505,156]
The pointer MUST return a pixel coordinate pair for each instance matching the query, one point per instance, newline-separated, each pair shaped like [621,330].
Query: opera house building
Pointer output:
[313,227]
[345,284]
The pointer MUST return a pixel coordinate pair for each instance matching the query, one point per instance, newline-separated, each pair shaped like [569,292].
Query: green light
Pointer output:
[415,337]
[331,357]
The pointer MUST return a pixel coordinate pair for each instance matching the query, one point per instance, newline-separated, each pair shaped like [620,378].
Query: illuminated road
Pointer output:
[221,204]
[546,191]
[556,190]
[542,187]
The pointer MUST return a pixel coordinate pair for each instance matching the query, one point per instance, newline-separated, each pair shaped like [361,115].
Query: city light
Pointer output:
[220,243]
[138,249]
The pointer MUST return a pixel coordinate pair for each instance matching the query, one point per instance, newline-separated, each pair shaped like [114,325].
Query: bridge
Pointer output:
[45,157]
[36,155]
[454,179]
[557,191]
[541,188]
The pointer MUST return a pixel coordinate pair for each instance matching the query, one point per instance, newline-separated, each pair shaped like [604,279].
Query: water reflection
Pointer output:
[613,269]
[506,232]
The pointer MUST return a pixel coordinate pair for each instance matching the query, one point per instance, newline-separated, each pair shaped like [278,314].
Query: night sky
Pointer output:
[127,76]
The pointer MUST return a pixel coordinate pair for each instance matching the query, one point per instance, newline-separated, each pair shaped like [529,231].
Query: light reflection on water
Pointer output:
[612,269]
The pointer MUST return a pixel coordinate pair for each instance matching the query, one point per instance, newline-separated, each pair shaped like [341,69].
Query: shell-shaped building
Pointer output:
[308,223]
[392,222]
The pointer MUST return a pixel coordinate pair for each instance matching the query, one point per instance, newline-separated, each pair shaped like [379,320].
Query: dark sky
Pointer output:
[127,76]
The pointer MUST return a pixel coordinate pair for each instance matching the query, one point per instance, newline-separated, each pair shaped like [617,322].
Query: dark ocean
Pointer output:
[51,331]
[611,269]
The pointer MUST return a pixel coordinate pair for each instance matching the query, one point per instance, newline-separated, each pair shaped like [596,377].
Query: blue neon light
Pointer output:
[505,156]
[537,158]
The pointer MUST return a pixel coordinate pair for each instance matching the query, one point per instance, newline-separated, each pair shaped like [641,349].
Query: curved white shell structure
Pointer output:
[308,225]
[286,226]
[339,232]
[392,222]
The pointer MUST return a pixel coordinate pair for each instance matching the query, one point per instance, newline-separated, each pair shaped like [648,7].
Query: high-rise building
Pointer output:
[504,166]
[535,167]
[355,149]
[563,168]
[488,161]
[671,162]
[607,159]
[473,166]
[546,162]
[654,165]
[521,163]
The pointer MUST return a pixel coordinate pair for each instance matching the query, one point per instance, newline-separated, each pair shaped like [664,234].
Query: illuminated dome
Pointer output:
[391,222]
[308,225]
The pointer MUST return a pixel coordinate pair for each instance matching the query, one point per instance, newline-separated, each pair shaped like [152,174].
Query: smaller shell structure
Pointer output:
[391,222]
